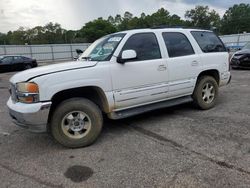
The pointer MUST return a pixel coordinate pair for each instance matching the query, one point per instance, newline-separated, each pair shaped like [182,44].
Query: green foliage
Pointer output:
[236,19]
[202,17]
[4,39]
[96,29]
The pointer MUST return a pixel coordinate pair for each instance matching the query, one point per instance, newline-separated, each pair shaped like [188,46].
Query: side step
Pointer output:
[150,107]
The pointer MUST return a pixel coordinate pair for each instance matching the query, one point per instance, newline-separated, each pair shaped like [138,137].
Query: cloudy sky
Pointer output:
[72,14]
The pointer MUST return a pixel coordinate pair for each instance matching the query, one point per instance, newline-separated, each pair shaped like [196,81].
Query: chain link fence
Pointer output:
[44,53]
[236,40]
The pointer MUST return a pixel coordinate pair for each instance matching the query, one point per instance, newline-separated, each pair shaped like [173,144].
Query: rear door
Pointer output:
[183,63]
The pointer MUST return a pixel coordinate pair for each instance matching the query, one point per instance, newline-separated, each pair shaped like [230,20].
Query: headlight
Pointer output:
[246,59]
[27,92]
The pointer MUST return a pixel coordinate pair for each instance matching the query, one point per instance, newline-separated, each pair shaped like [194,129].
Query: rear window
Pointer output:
[208,41]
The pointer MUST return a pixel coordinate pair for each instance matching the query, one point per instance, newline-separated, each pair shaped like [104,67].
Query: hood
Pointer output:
[243,52]
[49,69]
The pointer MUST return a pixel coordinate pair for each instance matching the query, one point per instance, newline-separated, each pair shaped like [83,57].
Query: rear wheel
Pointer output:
[205,93]
[76,122]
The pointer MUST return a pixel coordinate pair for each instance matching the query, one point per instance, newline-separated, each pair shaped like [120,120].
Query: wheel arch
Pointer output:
[93,93]
[212,72]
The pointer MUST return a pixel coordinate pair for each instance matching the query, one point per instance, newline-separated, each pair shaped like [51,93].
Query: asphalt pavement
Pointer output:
[173,147]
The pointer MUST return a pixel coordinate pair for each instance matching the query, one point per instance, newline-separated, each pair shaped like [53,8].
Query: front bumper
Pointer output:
[237,63]
[33,117]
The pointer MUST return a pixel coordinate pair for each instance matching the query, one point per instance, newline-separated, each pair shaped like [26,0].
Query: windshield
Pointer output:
[247,46]
[1,57]
[103,48]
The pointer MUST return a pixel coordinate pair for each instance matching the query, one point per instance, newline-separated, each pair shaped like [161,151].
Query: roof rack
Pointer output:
[166,26]
[177,27]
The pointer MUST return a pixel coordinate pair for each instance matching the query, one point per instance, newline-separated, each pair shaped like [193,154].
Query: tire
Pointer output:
[206,92]
[27,66]
[76,122]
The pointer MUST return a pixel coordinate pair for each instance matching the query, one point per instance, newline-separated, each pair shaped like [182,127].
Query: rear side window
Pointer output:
[208,41]
[25,58]
[177,44]
[18,58]
[145,45]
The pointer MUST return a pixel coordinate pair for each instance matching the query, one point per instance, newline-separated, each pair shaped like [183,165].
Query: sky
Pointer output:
[73,14]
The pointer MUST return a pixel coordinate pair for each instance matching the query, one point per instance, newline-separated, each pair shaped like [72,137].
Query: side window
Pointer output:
[208,41]
[25,58]
[7,60]
[177,44]
[145,45]
[18,59]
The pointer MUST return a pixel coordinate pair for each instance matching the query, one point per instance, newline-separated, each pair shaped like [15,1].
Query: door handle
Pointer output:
[162,68]
[195,63]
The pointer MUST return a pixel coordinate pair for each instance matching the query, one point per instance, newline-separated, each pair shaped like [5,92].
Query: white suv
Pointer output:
[121,75]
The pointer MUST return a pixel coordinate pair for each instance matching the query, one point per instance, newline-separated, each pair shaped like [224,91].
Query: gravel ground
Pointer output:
[173,147]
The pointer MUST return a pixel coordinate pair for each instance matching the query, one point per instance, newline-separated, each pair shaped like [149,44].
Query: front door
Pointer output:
[142,80]
[6,63]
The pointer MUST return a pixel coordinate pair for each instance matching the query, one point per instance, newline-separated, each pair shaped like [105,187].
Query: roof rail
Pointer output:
[177,27]
[166,26]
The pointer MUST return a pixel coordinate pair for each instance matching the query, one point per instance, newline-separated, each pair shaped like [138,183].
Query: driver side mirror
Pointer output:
[126,56]
[78,51]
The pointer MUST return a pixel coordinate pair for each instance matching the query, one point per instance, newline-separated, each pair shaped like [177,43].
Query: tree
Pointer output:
[111,20]
[176,20]
[202,17]
[3,39]
[124,25]
[53,33]
[236,19]
[128,15]
[96,29]
[69,36]
[161,17]
[118,19]
[18,36]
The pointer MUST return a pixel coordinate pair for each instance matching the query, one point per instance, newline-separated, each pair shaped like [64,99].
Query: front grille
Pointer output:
[235,61]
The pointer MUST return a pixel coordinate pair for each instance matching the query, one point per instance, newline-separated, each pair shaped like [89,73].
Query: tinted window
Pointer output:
[18,58]
[208,41]
[25,58]
[7,59]
[145,45]
[177,44]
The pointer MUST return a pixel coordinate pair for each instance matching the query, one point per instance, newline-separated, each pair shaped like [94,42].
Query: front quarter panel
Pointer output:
[53,83]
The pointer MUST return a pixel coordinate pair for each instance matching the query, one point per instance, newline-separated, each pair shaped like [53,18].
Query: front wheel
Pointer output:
[205,93]
[76,122]
[27,66]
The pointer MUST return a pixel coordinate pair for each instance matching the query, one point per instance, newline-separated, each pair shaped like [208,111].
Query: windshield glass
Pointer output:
[247,46]
[103,48]
[1,57]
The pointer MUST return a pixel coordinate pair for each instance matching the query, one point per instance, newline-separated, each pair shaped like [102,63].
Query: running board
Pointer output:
[147,108]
